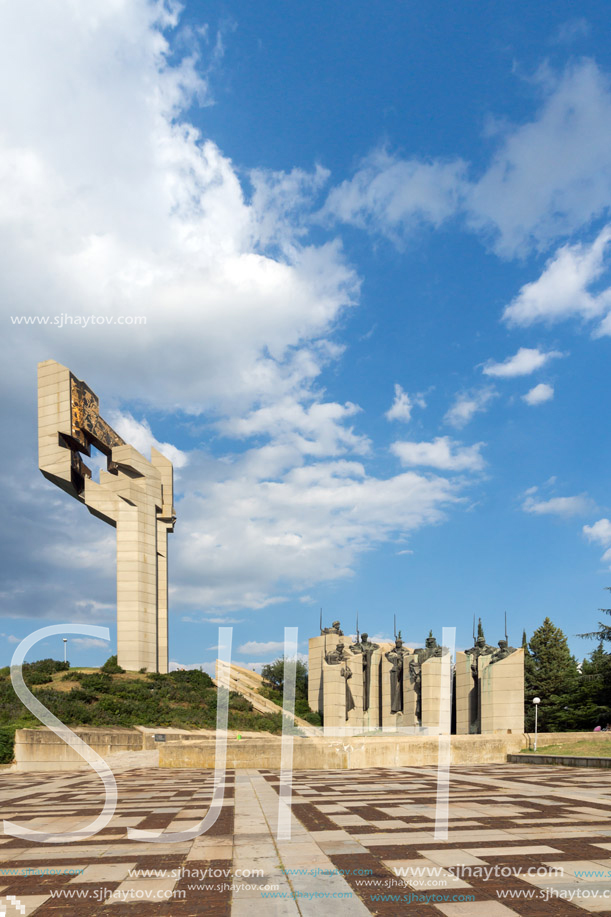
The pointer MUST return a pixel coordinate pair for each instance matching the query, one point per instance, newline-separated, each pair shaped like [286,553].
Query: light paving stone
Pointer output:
[475,909]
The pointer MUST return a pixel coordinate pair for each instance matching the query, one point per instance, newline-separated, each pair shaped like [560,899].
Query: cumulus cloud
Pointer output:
[316,429]
[559,506]
[522,363]
[261,539]
[546,178]
[254,648]
[600,533]
[564,288]
[467,405]
[138,433]
[112,203]
[443,453]
[88,643]
[391,195]
[539,394]
[402,406]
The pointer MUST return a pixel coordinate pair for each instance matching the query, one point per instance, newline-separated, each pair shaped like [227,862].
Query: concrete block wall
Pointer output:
[466,694]
[502,694]
[436,694]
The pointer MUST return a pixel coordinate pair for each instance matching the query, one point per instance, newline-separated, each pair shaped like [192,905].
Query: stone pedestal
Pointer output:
[502,693]
[372,716]
[466,695]
[437,694]
[316,648]
[334,697]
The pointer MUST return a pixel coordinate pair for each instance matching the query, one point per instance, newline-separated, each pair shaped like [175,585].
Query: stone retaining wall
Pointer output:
[354,752]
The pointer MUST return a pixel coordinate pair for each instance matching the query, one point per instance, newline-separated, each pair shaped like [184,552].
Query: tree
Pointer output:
[273,685]
[530,689]
[273,676]
[554,677]
[595,693]
[604,631]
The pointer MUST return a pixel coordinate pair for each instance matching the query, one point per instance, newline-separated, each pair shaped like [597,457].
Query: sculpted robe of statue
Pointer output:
[481,648]
[395,657]
[367,649]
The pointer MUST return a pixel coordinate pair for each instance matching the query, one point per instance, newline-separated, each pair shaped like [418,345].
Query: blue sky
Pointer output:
[372,248]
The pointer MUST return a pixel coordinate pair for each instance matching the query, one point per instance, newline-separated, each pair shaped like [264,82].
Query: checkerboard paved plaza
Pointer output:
[520,840]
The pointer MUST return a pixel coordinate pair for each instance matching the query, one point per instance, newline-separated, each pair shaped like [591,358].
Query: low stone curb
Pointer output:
[563,760]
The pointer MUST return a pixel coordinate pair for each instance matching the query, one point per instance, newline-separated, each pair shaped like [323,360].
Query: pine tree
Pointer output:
[604,631]
[530,690]
[554,678]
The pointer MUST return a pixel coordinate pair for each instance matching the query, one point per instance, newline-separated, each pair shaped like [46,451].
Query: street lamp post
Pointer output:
[536,702]
[65,644]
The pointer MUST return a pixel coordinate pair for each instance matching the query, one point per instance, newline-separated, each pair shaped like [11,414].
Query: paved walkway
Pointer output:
[519,840]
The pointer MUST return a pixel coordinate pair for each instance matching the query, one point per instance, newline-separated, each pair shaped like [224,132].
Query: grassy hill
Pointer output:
[111,697]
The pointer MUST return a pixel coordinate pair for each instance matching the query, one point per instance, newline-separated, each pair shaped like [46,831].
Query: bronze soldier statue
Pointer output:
[395,657]
[334,629]
[431,649]
[479,648]
[367,649]
[503,651]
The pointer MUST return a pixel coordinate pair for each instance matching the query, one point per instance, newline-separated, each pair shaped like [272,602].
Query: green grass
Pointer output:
[585,748]
[184,700]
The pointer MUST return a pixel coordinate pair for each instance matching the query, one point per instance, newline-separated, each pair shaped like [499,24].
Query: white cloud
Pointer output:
[443,453]
[140,436]
[88,643]
[402,406]
[547,178]
[539,394]
[317,429]
[124,206]
[11,638]
[562,291]
[109,197]
[255,648]
[559,506]
[522,363]
[391,195]
[551,175]
[261,539]
[467,405]
[600,532]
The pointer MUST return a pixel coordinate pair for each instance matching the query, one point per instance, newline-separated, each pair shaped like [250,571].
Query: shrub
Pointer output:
[237,702]
[111,666]
[37,678]
[7,744]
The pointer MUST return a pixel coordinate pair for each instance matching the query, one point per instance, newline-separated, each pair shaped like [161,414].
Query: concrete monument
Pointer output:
[392,686]
[134,495]
[489,687]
